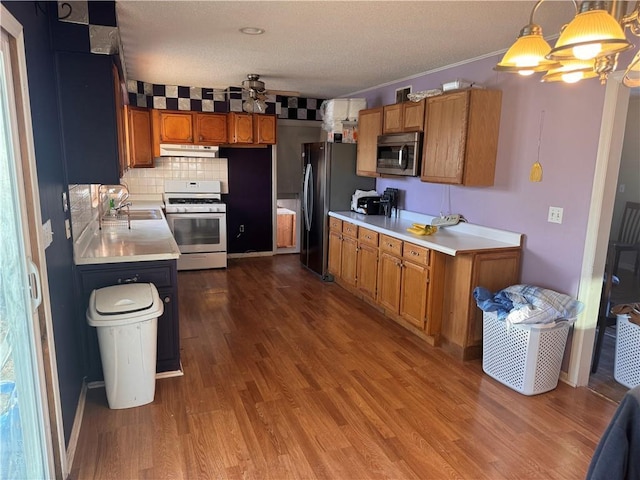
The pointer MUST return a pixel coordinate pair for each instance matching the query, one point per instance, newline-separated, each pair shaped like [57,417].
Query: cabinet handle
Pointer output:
[167,299]
[414,253]
[129,280]
[201,138]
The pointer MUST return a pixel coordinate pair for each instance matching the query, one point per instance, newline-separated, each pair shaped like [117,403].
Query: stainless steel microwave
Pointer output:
[399,154]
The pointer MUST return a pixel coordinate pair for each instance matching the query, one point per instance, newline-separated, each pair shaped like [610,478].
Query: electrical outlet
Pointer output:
[67,228]
[446,220]
[555,215]
[241,229]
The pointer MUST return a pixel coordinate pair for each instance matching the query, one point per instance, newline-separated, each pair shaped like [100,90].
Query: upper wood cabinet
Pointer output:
[264,129]
[175,127]
[210,128]
[461,137]
[121,121]
[369,127]
[240,127]
[139,143]
[404,117]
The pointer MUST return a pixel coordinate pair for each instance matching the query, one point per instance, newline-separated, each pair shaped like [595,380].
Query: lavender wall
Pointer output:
[552,252]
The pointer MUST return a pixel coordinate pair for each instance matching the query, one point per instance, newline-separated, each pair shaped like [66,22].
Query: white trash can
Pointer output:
[126,318]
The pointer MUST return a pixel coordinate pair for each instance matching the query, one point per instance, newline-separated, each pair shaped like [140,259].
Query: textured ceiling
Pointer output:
[321,49]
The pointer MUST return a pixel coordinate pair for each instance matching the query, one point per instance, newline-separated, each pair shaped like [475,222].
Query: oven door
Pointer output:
[199,232]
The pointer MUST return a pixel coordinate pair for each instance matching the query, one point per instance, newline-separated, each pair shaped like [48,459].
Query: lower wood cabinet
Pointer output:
[163,274]
[428,292]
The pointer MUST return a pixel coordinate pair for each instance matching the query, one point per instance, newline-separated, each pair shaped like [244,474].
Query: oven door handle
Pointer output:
[307,194]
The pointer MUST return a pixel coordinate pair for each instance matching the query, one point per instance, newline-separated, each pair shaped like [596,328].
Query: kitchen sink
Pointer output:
[150,214]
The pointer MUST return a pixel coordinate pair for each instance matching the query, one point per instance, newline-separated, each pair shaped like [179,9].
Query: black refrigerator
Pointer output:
[329,180]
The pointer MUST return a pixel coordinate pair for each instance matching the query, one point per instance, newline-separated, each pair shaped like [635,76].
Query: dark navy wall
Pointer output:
[52,183]
[249,201]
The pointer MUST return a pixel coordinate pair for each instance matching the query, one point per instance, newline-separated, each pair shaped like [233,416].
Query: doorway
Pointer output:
[626,285]
[288,178]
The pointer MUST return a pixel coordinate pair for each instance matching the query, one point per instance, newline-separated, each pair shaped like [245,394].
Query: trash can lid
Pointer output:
[127,298]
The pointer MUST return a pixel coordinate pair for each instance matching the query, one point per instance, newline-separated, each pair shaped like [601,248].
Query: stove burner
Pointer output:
[193,201]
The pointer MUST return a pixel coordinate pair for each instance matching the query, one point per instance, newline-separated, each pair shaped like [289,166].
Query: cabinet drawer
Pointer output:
[349,229]
[415,253]
[390,244]
[159,276]
[335,224]
[368,236]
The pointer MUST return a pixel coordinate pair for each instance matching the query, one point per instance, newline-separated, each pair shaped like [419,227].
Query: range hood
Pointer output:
[202,151]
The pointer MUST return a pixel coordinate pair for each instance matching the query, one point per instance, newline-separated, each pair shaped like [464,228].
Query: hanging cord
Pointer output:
[535,175]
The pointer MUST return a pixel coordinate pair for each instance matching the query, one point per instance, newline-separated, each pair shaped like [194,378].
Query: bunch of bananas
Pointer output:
[422,229]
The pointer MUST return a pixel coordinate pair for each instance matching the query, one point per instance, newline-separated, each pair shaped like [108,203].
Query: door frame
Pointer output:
[46,353]
[612,129]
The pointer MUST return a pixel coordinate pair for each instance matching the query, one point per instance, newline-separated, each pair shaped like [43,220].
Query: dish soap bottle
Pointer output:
[112,208]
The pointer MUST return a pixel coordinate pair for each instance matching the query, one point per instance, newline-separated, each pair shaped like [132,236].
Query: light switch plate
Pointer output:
[555,215]
[47,233]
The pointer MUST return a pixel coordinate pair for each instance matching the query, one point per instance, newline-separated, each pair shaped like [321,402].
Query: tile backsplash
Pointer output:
[151,180]
[83,210]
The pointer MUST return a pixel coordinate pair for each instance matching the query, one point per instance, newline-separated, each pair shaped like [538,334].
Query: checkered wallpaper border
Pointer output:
[176,97]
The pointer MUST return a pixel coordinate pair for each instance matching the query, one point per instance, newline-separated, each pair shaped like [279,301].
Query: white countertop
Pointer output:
[147,240]
[461,238]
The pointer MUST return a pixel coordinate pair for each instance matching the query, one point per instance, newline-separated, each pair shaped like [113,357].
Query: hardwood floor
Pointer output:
[286,376]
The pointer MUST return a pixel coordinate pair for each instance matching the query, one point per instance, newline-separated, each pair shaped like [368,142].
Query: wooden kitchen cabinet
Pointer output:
[335,246]
[367,263]
[390,274]
[210,128]
[264,129]
[392,118]
[415,284]
[139,137]
[174,126]
[240,127]
[369,127]
[163,274]
[349,254]
[404,117]
[461,137]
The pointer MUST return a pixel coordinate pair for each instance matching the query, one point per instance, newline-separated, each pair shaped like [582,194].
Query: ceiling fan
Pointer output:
[257,93]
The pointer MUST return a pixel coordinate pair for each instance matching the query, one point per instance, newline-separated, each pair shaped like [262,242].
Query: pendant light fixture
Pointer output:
[587,47]
[592,33]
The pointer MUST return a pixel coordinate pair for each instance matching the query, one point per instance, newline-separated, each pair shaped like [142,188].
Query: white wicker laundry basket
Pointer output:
[626,368]
[526,358]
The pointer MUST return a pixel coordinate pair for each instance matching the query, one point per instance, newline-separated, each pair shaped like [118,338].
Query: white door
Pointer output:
[25,449]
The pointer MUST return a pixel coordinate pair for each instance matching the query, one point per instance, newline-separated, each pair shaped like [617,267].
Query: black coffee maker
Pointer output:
[389,201]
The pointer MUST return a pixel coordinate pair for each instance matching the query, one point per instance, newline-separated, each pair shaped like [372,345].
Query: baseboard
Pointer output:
[159,376]
[77,425]
[564,378]
[249,254]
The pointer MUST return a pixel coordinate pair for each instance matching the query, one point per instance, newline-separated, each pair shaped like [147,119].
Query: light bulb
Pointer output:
[572,77]
[587,52]
[525,73]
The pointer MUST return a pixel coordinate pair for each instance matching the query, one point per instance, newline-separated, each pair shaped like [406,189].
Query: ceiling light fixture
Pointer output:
[252,30]
[587,47]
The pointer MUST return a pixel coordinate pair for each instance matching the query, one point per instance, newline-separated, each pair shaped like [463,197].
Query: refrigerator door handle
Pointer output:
[308,197]
[305,198]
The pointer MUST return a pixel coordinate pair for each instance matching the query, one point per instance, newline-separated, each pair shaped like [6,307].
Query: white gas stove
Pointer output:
[197,217]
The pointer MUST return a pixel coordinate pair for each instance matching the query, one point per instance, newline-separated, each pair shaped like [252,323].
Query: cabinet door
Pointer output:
[168,350]
[335,253]
[176,127]
[413,116]
[138,133]
[121,121]
[367,277]
[88,117]
[240,127]
[264,129]
[349,260]
[389,280]
[369,127]
[445,135]
[211,128]
[414,290]
[393,121]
